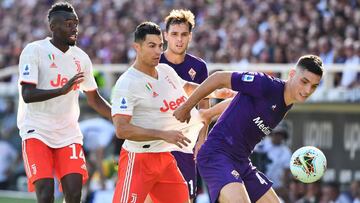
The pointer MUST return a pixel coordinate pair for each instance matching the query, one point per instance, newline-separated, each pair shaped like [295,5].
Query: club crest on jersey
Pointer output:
[150,89]
[192,73]
[170,82]
[26,70]
[78,66]
[247,78]
[123,104]
[52,58]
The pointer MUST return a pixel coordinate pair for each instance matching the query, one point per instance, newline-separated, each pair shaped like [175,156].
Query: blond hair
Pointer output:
[180,16]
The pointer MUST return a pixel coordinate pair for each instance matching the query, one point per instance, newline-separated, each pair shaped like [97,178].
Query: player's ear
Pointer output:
[292,73]
[136,46]
[190,36]
[52,26]
[165,34]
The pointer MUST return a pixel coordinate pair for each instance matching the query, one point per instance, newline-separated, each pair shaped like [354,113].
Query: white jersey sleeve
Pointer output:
[89,83]
[28,64]
[123,99]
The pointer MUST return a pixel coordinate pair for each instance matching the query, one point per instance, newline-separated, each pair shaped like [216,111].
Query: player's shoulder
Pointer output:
[194,59]
[248,76]
[78,51]
[129,78]
[164,67]
[35,45]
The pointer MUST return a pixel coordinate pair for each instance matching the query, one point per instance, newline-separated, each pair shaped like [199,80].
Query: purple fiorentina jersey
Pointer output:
[192,69]
[257,108]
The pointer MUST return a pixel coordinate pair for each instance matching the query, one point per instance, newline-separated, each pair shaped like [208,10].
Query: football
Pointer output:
[308,164]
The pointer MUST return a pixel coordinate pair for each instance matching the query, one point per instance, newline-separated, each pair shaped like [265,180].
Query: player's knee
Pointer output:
[45,196]
[73,196]
[44,190]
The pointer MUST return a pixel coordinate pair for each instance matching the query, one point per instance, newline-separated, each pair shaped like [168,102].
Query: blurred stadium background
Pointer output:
[253,35]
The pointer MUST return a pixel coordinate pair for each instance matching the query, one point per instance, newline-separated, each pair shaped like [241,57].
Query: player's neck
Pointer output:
[148,70]
[174,58]
[61,46]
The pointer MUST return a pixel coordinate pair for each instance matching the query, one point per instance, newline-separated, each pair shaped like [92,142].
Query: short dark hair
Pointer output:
[146,28]
[180,16]
[60,7]
[311,63]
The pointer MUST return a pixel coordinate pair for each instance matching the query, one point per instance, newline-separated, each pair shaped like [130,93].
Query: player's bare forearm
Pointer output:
[125,130]
[218,108]
[99,104]
[217,80]
[31,94]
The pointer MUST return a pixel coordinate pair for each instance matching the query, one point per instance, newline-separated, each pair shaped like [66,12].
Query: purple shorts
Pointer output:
[186,164]
[219,169]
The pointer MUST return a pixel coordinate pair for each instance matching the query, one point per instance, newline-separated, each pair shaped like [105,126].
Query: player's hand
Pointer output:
[77,79]
[224,93]
[176,137]
[182,114]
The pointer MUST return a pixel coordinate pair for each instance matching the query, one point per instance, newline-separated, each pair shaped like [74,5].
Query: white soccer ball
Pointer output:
[308,164]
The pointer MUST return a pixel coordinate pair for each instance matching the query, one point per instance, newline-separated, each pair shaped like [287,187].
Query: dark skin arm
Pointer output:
[32,94]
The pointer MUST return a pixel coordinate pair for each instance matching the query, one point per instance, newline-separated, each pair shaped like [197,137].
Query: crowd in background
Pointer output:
[226,31]
[231,31]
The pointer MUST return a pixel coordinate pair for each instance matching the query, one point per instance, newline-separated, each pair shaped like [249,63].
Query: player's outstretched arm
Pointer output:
[125,130]
[221,79]
[98,103]
[31,94]
[209,114]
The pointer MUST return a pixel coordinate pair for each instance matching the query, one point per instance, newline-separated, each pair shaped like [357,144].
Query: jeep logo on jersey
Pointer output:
[123,103]
[172,105]
[265,129]
[61,81]
[247,78]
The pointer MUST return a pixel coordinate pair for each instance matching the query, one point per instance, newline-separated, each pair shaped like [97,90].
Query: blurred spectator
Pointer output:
[312,194]
[271,31]
[98,134]
[330,193]
[297,190]
[355,191]
[8,157]
[349,76]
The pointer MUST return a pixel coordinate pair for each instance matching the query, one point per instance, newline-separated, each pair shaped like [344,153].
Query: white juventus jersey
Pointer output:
[151,102]
[54,121]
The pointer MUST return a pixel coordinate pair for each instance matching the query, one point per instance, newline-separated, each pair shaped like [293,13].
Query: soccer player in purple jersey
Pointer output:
[261,103]
[178,34]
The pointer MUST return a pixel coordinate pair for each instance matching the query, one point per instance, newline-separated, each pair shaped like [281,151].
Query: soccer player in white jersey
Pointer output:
[52,73]
[145,97]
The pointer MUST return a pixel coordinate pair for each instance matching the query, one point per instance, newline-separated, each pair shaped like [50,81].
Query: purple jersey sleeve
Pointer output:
[251,83]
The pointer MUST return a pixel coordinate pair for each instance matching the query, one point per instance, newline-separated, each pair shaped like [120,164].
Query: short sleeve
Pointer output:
[250,83]
[204,74]
[123,99]
[89,83]
[29,65]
